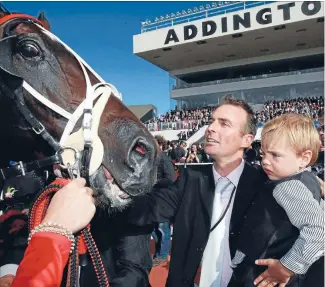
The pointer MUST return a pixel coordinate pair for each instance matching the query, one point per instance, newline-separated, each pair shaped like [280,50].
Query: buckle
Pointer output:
[72,168]
[20,165]
[40,130]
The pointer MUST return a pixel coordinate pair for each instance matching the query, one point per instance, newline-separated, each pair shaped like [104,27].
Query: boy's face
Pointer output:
[279,160]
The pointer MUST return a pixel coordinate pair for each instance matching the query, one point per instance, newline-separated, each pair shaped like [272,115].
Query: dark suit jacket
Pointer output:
[188,204]
[166,171]
[269,233]
[177,153]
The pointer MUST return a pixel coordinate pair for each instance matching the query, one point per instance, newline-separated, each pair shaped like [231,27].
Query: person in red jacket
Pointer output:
[70,210]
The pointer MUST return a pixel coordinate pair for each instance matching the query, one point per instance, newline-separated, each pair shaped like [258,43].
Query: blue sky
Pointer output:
[102,34]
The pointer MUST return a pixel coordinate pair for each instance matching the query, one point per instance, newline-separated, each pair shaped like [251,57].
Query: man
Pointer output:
[179,152]
[208,206]
[161,233]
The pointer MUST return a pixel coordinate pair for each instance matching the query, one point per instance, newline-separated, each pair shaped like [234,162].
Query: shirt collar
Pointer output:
[233,177]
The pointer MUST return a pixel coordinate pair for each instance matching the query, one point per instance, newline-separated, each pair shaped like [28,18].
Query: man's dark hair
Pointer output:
[160,140]
[251,124]
[182,143]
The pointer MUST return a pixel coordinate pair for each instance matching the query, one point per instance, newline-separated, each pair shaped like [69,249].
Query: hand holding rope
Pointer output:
[81,243]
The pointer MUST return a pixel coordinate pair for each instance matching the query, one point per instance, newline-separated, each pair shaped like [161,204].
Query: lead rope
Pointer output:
[83,242]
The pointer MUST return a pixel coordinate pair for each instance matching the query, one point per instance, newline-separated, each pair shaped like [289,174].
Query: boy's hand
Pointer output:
[275,274]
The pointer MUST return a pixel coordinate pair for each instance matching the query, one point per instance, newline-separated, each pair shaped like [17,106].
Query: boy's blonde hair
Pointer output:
[298,130]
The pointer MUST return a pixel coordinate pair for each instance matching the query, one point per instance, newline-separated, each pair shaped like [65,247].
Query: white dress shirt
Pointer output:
[216,270]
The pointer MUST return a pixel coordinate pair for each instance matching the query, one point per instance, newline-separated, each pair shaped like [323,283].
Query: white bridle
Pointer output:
[88,133]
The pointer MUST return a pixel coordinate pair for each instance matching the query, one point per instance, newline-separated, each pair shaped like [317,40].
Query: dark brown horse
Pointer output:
[28,53]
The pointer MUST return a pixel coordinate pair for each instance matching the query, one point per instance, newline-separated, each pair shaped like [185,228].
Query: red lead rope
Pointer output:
[83,242]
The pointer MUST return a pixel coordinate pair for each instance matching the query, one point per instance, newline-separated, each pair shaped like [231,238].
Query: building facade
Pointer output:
[257,51]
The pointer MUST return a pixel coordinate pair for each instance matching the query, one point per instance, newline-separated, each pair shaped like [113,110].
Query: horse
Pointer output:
[32,60]
[130,152]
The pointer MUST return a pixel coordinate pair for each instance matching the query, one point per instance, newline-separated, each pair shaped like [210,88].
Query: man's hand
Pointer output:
[275,274]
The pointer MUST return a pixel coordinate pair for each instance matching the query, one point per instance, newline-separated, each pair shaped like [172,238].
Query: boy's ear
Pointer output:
[306,158]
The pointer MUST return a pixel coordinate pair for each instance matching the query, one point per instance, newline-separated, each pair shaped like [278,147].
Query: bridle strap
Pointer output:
[21,169]
[45,101]
[37,127]
[9,17]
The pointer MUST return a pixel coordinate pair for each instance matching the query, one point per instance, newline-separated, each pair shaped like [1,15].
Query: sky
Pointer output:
[102,34]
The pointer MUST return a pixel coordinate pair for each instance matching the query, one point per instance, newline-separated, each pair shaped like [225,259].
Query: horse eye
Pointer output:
[29,50]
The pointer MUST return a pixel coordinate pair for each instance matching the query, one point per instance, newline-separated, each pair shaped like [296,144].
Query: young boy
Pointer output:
[289,226]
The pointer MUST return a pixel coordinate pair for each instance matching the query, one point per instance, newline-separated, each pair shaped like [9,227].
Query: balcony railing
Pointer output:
[183,85]
[218,8]
[179,125]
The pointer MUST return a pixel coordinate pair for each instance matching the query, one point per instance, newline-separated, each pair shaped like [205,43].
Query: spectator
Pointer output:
[161,233]
[193,155]
[179,152]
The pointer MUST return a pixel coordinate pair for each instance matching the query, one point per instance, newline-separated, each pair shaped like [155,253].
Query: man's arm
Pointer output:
[306,214]
[169,169]
[160,205]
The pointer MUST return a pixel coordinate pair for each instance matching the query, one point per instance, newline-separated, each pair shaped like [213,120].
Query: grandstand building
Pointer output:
[257,51]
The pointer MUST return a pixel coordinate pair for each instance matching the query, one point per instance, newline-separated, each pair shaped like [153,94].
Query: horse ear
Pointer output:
[44,21]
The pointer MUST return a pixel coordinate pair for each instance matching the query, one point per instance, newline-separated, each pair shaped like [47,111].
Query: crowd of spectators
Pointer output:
[179,152]
[201,115]
[312,107]
[184,135]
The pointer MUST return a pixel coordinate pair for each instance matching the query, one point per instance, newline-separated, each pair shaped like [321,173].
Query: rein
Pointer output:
[83,242]
[84,141]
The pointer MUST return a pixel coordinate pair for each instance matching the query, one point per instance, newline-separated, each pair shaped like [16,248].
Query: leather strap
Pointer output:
[225,211]
[85,162]
[20,169]
[37,127]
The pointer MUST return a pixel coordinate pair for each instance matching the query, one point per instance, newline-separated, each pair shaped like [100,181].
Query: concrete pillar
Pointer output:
[292,92]
[179,104]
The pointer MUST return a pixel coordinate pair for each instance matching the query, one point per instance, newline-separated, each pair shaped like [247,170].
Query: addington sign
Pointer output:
[248,19]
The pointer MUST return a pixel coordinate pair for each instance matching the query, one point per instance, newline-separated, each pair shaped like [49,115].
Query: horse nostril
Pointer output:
[140,148]
[138,152]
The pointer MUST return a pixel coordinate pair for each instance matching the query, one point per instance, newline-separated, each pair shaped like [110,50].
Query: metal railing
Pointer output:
[183,85]
[218,8]
[179,125]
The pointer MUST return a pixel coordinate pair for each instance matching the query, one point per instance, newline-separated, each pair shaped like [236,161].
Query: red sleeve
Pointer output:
[44,261]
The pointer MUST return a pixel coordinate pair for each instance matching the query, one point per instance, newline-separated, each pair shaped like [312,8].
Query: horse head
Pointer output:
[31,56]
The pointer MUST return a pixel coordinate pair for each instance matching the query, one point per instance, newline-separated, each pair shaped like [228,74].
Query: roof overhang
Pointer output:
[265,30]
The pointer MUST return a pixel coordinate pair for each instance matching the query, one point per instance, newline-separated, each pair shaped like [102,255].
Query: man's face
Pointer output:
[224,137]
